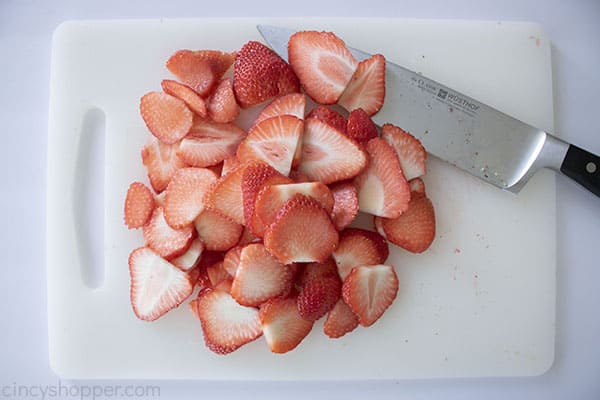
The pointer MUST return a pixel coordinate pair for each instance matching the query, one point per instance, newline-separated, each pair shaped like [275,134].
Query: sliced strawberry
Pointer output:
[260,277]
[222,106]
[340,320]
[217,231]
[163,239]
[187,94]
[414,230]
[323,63]
[226,325]
[358,247]
[417,185]
[209,143]
[329,116]
[247,237]
[382,187]
[360,126]
[139,204]
[225,195]
[200,70]
[229,164]
[217,273]
[318,296]
[291,104]
[312,271]
[366,89]
[411,153]
[345,204]
[328,155]
[191,257]
[167,117]
[161,161]
[301,232]
[232,259]
[369,291]
[184,198]
[260,75]
[273,141]
[282,325]
[156,285]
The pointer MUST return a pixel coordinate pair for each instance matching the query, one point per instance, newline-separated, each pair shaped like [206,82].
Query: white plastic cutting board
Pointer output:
[480,302]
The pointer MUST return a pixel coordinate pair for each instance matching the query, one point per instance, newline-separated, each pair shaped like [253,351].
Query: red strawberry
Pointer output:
[225,195]
[184,198]
[301,232]
[315,271]
[411,152]
[200,70]
[167,117]
[369,291]
[209,143]
[229,164]
[163,239]
[187,94]
[366,89]
[232,259]
[260,75]
[328,155]
[282,325]
[340,320]
[218,232]
[318,296]
[382,187]
[358,247]
[191,257]
[226,325]
[260,277]
[291,104]
[329,116]
[360,126]
[417,185]
[217,274]
[323,63]
[273,141]
[161,161]
[156,285]
[139,204]
[222,106]
[345,204]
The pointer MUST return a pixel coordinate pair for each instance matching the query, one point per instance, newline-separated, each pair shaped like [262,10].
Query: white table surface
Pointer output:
[25,40]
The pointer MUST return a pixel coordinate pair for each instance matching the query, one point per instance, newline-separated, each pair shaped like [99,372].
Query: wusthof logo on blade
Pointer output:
[442,94]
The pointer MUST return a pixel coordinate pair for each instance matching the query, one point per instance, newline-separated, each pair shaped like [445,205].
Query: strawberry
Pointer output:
[301,232]
[323,64]
[328,155]
[417,185]
[414,230]
[225,195]
[156,285]
[358,247]
[187,94]
[366,89]
[382,187]
[360,126]
[139,204]
[273,141]
[184,198]
[345,204]
[218,232]
[260,277]
[340,320]
[216,273]
[209,143]
[315,271]
[318,296]
[191,257]
[226,325]
[369,291]
[167,117]
[282,325]
[166,241]
[260,75]
[161,161]
[232,259]
[411,152]
[200,70]
[329,116]
[229,164]
[222,106]
[291,104]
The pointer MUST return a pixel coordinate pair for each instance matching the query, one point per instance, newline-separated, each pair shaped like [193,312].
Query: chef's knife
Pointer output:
[475,137]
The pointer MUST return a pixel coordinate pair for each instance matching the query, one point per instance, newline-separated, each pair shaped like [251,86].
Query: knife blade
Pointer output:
[465,132]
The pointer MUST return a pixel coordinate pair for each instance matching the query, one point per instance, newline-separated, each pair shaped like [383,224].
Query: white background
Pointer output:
[25,39]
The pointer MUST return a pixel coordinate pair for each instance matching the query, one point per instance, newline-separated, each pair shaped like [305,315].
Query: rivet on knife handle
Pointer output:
[583,167]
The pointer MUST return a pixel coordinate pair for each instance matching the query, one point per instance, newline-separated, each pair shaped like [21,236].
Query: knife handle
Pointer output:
[583,167]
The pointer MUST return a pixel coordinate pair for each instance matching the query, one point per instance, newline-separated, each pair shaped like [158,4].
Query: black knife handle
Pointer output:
[583,167]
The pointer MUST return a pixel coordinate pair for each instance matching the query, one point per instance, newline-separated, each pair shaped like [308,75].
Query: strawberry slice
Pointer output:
[369,291]
[301,232]
[217,273]
[260,75]
[222,106]
[328,155]
[209,143]
[417,185]
[273,141]
[139,204]
[225,195]
[200,70]
[232,259]
[411,153]
[226,325]
[282,325]
[318,297]
[358,247]
[360,126]
[229,164]
[161,162]
[345,204]
[340,320]
[382,187]
[366,89]
[191,257]
[218,232]
[291,104]
[156,285]
[315,271]
[260,277]
[323,63]
[184,198]
[187,94]
[167,117]
[166,241]
[329,116]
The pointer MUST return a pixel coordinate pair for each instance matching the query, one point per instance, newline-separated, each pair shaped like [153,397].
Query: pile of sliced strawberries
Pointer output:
[258,219]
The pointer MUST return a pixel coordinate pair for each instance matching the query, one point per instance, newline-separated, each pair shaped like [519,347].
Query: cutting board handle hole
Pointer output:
[88,198]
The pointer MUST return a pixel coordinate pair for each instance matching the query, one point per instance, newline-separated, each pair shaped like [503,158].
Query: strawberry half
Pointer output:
[167,117]
[318,297]
[291,104]
[340,320]
[161,162]
[218,232]
[139,204]
[329,116]
[163,239]
[411,153]
[187,94]
[345,204]
[200,70]
[366,89]
[323,64]
[360,126]
[369,291]
[358,247]
[417,185]
[191,257]
[222,106]
[282,325]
